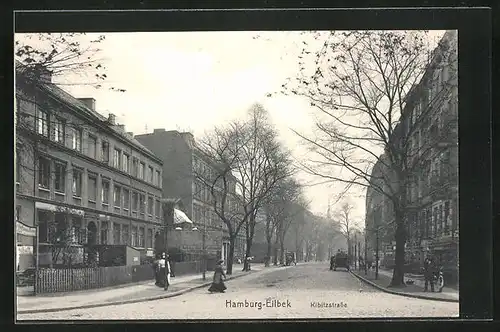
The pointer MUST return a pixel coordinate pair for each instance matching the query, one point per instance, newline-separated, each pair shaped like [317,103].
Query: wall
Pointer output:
[170,147]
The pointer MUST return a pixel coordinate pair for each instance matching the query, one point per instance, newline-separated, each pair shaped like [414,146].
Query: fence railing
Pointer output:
[69,280]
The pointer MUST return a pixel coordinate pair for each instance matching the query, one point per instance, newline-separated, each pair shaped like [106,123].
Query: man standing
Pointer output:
[429,273]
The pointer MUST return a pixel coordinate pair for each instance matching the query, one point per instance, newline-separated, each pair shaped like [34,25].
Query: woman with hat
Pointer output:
[218,283]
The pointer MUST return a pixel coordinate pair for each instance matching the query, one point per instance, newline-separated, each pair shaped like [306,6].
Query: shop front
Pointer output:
[445,252]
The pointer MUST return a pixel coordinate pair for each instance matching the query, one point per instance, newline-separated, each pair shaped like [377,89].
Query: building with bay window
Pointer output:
[80,177]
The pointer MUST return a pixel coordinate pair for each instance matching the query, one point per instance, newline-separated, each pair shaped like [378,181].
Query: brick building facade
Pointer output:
[79,172]
[182,162]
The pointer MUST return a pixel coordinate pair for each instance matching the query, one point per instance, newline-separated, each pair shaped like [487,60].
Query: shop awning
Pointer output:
[181,218]
[25,230]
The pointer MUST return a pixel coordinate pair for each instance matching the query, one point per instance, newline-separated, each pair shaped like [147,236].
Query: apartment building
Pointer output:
[183,163]
[428,130]
[79,173]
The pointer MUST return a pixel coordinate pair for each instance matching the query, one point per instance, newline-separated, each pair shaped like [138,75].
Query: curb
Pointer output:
[422,297]
[144,299]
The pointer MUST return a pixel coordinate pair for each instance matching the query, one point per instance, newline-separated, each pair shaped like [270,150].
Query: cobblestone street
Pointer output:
[303,291]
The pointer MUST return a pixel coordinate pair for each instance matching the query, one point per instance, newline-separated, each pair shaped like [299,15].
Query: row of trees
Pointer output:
[373,95]
[254,176]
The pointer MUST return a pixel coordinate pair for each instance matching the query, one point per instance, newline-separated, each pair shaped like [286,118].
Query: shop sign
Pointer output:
[149,253]
[25,229]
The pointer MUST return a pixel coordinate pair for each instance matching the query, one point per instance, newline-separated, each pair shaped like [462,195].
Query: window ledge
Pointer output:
[43,189]
[92,201]
[105,204]
[77,197]
[117,207]
[60,193]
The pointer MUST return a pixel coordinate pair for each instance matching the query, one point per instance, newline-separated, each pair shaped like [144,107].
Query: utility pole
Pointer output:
[356,249]
[359,254]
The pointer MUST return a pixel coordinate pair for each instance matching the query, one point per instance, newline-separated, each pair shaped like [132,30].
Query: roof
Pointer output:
[58,93]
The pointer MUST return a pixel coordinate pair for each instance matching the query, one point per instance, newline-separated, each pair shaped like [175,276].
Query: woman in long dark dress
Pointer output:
[218,284]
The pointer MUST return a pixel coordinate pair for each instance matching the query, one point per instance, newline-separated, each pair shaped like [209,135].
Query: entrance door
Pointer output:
[92,233]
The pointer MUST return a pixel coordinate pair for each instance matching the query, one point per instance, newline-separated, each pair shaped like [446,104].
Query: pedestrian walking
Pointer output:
[429,273]
[218,284]
[164,271]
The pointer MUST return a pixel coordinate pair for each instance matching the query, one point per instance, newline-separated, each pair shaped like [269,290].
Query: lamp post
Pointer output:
[203,249]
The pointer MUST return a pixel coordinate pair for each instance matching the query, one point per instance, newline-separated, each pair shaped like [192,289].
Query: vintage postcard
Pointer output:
[236,174]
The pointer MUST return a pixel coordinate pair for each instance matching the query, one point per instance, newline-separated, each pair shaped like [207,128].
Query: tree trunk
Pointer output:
[269,238]
[246,265]
[230,256]
[282,250]
[269,251]
[399,259]
[275,258]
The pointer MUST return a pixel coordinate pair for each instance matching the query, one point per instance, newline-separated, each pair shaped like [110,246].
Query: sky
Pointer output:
[193,81]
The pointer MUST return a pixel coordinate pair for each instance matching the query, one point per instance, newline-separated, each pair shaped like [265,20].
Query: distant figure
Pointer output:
[429,273]
[218,284]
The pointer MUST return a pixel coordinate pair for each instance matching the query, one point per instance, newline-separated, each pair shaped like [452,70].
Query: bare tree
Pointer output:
[345,223]
[222,146]
[260,164]
[281,209]
[376,93]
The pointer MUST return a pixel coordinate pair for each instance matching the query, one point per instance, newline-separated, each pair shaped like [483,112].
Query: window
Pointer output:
[142,166]
[77,233]
[135,201]
[150,174]
[149,243]
[157,208]
[77,183]
[158,178]
[105,192]
[92,188]
[125,234]
[104,232]
[60,177]
[18,213]
[142,202]
[134,236]
[92,146]
[135,167]
[126,199]
[125,163]
[76,139]
[43,221]
[141,237]
[116,158]
[42,123]
[116,233]
[105,152]
[58,131]
[150,205]
[117,196]
[44,173]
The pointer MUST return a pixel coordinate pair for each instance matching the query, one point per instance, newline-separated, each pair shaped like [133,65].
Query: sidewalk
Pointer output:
[137,292]
[416,290]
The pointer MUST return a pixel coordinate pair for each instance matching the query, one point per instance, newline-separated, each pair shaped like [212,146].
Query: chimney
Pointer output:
[122,127]
[45,75]
[112,119]
[158,131]
[131,134]
[89,102]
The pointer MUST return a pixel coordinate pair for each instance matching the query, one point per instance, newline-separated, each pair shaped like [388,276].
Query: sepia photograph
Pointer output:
[236,175]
